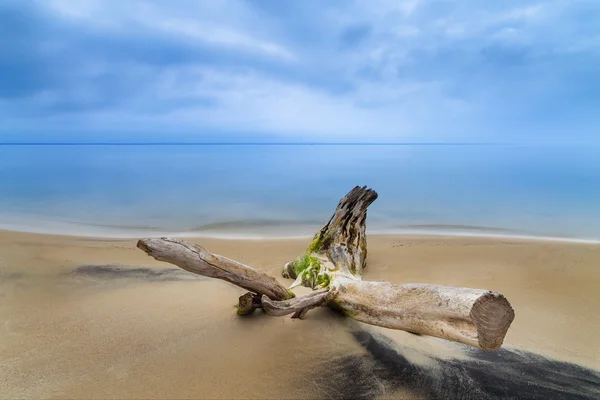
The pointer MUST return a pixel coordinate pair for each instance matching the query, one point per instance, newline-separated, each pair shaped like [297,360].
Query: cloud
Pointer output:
[339,70]
[163,20]
[354,35]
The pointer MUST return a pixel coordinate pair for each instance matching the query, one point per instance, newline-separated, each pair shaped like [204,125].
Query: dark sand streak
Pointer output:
[111,272]
[485,375]
[503,374]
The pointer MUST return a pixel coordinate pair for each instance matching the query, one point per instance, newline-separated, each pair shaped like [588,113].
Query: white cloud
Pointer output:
[382,7]
[412,73]
[508,35]
[451,28]
[218,35]
[160,16]
[255,103]
[528,13]
[75,9]
[479,23]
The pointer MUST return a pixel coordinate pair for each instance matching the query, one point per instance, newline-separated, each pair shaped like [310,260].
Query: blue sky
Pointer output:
[368,70]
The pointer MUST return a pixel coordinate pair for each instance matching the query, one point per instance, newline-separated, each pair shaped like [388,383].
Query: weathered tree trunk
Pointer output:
[340,246]
[332,265]
[476,317]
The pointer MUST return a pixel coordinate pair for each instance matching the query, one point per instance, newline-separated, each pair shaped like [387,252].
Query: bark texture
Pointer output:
[340,247]
[476,317]
[298,305]
[197,259]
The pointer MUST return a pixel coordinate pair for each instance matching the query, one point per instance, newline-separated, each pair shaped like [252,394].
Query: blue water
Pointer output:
[278,190]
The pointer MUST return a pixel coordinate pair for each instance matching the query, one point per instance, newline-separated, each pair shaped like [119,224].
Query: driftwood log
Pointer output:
[332,266]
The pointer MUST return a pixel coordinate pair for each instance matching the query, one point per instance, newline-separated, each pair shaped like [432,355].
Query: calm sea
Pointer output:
[291,190]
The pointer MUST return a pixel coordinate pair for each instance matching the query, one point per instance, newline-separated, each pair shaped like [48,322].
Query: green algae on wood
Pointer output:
[341,244]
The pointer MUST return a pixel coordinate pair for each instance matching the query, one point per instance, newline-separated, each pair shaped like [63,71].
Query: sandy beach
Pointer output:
[428,167]
[87,318]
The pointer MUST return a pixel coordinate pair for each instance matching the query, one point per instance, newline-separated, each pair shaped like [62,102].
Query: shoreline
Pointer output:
[441,232]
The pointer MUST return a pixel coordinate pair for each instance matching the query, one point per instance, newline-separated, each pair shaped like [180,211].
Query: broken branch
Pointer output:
[197,259]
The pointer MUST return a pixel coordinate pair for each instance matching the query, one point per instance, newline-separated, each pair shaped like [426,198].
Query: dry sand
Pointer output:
[82,318]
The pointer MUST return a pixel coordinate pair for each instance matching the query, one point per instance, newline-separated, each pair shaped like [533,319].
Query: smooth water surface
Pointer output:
[290,190]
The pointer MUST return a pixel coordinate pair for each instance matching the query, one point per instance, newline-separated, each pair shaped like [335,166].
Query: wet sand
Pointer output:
[86,318]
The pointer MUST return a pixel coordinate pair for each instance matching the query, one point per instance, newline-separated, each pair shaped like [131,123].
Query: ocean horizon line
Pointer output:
[256,144]
[283,143]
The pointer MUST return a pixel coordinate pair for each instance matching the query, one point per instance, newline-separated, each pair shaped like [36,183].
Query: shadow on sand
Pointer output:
[503,374]
[384,371]
[112,272]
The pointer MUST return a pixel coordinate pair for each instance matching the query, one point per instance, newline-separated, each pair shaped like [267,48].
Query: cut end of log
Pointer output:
[492,315]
